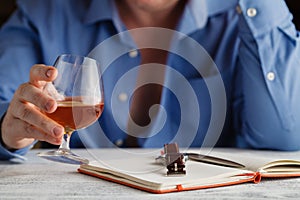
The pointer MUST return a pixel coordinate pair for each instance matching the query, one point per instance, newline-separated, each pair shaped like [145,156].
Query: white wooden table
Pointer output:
[41,179]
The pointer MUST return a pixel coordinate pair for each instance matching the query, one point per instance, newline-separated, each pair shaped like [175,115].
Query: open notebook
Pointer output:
[142,172]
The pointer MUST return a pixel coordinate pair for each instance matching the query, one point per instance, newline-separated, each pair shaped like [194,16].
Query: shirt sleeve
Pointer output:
[19,50]
[268,77]
[17,155]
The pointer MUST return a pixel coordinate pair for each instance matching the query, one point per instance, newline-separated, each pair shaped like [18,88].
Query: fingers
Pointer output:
[40,74]
[29,131]
[28,93]
[24,120]
[28,113]
[33,92]
[17,133]
[22,134]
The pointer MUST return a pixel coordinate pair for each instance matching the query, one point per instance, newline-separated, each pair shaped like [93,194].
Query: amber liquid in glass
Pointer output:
[72,113]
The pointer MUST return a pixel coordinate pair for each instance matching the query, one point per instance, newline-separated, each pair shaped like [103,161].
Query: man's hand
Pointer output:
[24,121]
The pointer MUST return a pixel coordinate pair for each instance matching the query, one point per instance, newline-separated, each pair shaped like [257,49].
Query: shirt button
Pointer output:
[271,76]
[119,142]
[123,96]
[251,12]
[133,53]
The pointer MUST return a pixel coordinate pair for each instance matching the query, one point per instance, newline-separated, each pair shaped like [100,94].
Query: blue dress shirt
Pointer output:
[255,51]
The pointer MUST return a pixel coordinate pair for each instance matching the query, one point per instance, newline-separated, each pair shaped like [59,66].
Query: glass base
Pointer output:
[63,156]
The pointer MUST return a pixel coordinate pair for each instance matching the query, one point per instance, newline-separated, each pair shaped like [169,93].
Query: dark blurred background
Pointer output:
[294,6]
[6,8]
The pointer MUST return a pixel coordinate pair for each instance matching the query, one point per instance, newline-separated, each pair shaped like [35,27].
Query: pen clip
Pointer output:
[173,160]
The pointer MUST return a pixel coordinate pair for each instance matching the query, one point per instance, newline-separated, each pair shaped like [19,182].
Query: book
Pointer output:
[139,168]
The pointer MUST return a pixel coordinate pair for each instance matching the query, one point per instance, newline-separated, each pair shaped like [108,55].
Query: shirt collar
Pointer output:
[197,12]
[194,17]
[99,11]
[218,6]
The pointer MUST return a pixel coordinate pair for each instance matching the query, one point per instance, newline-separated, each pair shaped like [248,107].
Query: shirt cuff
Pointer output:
[16,156]
[262,16]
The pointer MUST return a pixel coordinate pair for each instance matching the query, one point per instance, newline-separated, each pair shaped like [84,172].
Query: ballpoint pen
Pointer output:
[205,159]
[171,156]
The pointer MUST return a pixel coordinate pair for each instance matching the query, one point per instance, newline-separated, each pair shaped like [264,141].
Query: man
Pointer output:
[253,44]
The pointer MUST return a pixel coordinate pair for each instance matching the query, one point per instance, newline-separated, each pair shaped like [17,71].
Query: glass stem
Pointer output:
[66,141]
